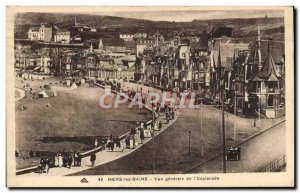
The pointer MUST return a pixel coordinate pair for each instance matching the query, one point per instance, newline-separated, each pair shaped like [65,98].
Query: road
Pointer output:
[256,153]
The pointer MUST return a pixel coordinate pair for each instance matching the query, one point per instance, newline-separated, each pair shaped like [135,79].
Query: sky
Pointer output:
[189,15]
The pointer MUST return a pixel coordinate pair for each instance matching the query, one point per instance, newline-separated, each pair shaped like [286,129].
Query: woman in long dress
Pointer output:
[131,142]
[56,162]
[139,134]
[60,160]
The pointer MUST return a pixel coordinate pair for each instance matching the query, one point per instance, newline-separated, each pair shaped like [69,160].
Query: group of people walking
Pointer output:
[44,165]
[114,143]
[66,160]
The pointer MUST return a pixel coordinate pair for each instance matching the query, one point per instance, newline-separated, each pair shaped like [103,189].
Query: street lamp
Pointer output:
[201,131]
[153,152]
[223,133]
[189,143]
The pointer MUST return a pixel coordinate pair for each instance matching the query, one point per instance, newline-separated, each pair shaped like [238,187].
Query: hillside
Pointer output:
[242,27]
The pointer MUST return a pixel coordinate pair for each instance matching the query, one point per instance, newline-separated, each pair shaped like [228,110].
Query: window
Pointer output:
[270,100]
[272,84]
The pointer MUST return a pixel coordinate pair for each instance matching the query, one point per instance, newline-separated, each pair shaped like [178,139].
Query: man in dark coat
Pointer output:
[93,159]
[65,161]
[79,159]
[142,136]
[172,114]
[118,143]
[47,164]
[42,166]
[70,161]
[159,125]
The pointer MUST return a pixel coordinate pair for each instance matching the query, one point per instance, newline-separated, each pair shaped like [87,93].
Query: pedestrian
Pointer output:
[108,143]
[131,142]
[56,162]
[93,159]
[70,161]
[127,142]
[159,125]
[65,161]
[133,131]
[123,145]
[47,165]
[75,159]
[60,160]
[172,114]
[142,135]
[113,142]
[167,116]
[96,142]
[103,145]
[42,165]
[79,157]
[118,143]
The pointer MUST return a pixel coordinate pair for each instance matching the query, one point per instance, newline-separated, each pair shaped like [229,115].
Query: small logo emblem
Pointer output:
[84,180]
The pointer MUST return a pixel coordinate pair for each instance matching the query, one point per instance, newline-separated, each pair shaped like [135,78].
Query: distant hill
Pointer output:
[242,27]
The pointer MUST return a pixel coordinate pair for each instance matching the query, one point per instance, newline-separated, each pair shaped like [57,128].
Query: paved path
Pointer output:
[256,153]
[103,157]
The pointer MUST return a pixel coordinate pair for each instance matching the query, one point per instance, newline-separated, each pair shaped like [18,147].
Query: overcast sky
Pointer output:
[184,15]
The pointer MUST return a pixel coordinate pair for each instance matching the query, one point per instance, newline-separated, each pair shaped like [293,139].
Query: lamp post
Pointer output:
[201,131]
[189,143]
[223,134]
[153,152]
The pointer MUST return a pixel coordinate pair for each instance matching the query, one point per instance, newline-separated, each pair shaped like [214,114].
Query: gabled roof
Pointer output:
[268,71]
[223,55]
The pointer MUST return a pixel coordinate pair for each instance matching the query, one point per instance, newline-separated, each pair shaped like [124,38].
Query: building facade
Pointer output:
[42,33]
[62,36]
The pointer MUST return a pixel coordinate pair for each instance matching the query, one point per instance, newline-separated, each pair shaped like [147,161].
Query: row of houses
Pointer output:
[46,33]
[250,77]
[90,63]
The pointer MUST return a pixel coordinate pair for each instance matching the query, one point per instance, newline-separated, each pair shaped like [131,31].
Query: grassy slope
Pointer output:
[242,26]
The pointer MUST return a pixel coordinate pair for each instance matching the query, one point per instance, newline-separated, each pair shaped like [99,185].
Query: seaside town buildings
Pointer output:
[42,33]
[62,36]
[249,75]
